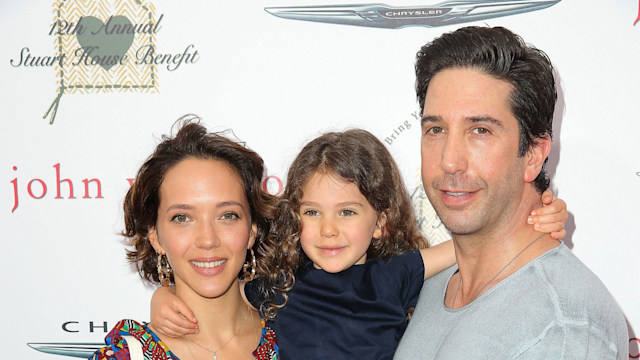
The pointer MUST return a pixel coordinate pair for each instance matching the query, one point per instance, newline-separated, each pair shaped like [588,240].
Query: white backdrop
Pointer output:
[277,83]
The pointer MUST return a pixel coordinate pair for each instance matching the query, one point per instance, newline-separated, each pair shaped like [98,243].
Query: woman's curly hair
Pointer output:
[193,141]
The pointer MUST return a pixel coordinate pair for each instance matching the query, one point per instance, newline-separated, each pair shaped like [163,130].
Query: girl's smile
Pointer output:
[338,223]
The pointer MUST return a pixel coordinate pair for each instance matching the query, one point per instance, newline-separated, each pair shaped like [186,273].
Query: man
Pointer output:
[487,101]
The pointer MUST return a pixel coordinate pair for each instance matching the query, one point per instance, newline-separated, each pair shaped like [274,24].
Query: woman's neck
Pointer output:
[221,315]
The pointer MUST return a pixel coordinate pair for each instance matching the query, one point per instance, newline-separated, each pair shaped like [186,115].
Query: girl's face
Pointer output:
[338,223]
[204,226]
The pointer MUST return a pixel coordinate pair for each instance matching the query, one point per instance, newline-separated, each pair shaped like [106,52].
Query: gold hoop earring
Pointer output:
[247,274]
[164,270]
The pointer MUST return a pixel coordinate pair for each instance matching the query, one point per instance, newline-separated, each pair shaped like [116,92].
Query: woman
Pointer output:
[194,216]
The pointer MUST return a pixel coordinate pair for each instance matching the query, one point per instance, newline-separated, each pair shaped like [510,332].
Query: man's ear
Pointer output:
[252,235]
[153,239]
[380,226]
[536,155]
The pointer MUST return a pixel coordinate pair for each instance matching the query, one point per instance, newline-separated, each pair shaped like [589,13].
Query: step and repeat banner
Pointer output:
[89,87]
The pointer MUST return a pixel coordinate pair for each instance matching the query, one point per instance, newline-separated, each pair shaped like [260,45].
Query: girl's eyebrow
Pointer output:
[346,203]
[308,203]
[350,203]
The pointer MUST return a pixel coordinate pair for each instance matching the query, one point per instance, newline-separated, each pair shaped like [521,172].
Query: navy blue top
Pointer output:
[359,313]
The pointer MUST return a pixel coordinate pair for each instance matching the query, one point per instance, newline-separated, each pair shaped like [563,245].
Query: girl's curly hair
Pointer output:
[354,156]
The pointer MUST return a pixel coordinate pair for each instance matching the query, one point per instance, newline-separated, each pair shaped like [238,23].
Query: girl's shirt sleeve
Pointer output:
[406,272]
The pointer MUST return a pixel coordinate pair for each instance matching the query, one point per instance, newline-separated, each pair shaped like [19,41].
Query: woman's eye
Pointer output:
[180,218]
[347,212]
[230,216]
[311,212]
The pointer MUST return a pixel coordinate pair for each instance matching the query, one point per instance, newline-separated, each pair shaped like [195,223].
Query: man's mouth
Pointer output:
[456,193]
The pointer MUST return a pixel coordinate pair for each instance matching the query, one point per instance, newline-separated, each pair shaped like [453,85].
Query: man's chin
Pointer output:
[460,224]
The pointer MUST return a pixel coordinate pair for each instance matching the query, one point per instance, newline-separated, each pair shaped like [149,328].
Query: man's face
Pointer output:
[470,166]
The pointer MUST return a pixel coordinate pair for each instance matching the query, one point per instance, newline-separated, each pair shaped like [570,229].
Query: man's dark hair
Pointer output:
[504,55]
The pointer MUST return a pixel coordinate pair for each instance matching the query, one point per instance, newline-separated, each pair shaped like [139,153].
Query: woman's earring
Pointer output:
[247,274]
[164,270]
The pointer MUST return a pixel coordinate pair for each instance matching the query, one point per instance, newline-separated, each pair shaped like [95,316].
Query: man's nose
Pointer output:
[454,155]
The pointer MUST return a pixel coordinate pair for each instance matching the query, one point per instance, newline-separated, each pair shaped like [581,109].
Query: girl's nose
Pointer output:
[328,229]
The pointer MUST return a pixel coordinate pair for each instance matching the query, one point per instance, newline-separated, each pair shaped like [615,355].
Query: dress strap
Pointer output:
[135,349]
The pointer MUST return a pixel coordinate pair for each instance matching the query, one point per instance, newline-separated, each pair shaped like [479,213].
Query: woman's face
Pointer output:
[204,226]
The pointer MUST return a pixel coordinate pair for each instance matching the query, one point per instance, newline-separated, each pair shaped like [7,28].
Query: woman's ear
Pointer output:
[252,235]
[153,239]
[380,226]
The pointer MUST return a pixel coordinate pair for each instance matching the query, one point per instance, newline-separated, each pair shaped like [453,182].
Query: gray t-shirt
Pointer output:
[552,308]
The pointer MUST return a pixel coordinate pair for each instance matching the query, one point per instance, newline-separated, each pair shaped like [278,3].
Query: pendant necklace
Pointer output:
[215,352]
[494,276]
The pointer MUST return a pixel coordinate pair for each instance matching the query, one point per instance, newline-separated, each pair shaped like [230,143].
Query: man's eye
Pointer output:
[347,212]
[180,218]
[229,216]
[481,130]
[434,130]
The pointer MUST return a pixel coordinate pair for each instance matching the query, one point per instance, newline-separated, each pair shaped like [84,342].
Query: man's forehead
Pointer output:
[467,94]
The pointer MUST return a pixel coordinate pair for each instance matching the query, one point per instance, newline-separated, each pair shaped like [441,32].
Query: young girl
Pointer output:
[346,228]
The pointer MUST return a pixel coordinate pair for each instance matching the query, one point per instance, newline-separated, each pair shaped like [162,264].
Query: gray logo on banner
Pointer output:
[384,16]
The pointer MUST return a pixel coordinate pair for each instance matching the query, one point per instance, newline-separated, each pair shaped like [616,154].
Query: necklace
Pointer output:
[494,276]
[215,352]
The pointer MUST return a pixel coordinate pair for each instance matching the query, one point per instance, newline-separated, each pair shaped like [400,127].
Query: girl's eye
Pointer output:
[481,130]
[229,216]
[347,212]
[311,212]
[180,218]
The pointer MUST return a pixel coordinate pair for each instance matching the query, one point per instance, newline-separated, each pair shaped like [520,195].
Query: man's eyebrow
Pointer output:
[473,119]
[430,118]
[486,119]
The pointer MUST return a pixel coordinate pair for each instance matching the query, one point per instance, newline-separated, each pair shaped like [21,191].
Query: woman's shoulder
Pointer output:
[117,347]
[268,347]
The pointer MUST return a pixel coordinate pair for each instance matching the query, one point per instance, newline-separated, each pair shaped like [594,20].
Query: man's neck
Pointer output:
[488,256]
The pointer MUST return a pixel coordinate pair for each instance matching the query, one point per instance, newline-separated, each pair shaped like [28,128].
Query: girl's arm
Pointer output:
[550,219]
[438,258]
[551,216]
[170,316]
